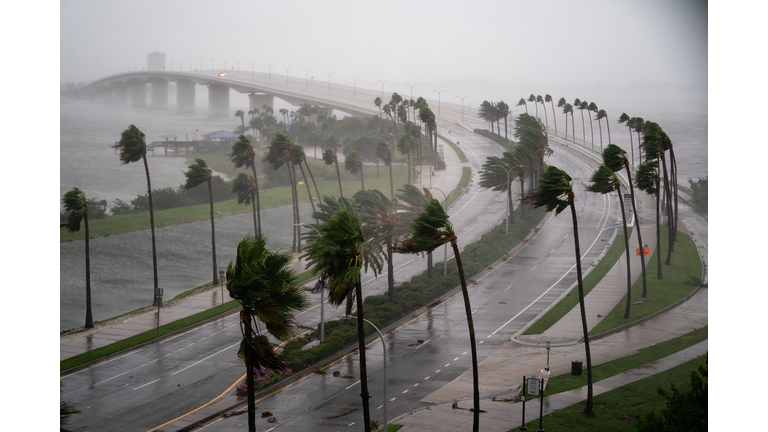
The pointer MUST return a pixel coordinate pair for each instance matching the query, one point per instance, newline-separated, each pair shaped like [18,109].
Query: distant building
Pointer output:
[156,61]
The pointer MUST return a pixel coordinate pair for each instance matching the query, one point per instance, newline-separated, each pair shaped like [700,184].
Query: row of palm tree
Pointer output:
[491,113]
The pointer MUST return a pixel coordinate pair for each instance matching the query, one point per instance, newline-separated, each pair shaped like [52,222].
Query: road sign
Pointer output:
[544,374]
[645,251]
[533,386]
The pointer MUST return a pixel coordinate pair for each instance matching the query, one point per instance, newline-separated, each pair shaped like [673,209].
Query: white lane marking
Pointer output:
[465,352]
[405,391]
[352,385]
[392,399]
[447,365]
[147,384]
[416,384]
[505,289]
[534,268]
[426,378]
[198,362]
[437,371]
[455,359]
[422,344]
[379,407]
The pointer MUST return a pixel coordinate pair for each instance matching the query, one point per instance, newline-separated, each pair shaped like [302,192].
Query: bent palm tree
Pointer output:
[647,179]
[339,257]
[266,287]
[432,229]
[133,147]
[555,192]
[198,174]
[245,188]
[244,155]
[354,165]
[604,180]
[548,98]
[384,152]
[522,102]
[280,152]
[76,207]
[241,114]
[329,157]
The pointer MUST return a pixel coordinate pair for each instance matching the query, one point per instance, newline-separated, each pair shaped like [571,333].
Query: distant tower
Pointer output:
[156,61]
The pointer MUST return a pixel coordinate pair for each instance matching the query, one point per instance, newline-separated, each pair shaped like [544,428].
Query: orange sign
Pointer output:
[645,251]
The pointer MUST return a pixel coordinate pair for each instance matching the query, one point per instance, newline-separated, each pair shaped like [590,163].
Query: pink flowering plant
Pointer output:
[263,377]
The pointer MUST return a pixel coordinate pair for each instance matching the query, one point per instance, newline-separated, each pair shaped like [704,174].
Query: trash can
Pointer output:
[576,367]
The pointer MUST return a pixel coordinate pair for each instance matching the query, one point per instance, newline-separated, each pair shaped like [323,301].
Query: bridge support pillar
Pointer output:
[259,100]
[328,111]
[159,95]
[120,95]
[185,96]
[138,95]
[218,100]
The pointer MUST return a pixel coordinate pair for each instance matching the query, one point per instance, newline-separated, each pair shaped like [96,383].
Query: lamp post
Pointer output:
[382,87]
[238,67]
[270,72]
[212,60]
[190,64]
[462,106]
[438,100]
[329,80]
[445,245]
[322,295]
[253,69]
[384,347]
[306,71]
[414,112]
[354,94]
[287,69]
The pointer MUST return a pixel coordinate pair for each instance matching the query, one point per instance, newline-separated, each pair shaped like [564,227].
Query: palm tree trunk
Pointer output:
[250,384]
[213,236]
[631,146]
[600,127]
[591,130]
[546,117]
[311,201]
[588,407]
[361,351]
[583,128]
[522,194]
[554,117]
[362,181]
[152,227]
[673,163]
[639,233]
[609,129]
[391,182]
[573,127]
[626,246]
[390,272]
[471,325]
[313,181]
[338,174]
[257,211]
[408,162]
[668,202]
[88,312]
[510,204]
[429,265]
[658,233]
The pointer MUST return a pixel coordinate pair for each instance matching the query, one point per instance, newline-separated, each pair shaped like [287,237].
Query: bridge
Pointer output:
[130,88]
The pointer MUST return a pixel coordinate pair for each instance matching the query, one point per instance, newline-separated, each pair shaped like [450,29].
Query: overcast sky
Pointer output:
[445,43]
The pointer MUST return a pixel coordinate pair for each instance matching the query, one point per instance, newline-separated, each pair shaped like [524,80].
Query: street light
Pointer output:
[253,69]
[445,245]
[307,72]
[322,294]
[382,87]
[384,347]
[329,80]
[238,67]
[438,100]
[462,107]
[287,69]
[270,72]
[354,95]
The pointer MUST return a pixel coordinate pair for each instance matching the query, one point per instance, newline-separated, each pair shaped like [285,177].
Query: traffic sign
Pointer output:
[533,386]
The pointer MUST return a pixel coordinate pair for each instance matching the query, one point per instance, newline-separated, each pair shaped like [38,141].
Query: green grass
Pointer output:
[680,279]
[271,198]
[637,398]
[466,175]
[392,427]
[462,156]
[571,300]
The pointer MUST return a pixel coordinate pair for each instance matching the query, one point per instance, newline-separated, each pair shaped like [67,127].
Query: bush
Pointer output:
[700,194]
[685,411]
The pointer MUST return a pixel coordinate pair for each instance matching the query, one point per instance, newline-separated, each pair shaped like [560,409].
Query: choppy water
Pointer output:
[121,265]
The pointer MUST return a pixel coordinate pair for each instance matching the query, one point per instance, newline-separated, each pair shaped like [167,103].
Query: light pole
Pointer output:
[212,60]
[270,72]
[329,80]
[384,347]
[445,245]
[438,100]
[382,88]
[354,95]
[306,71]
[414,112]
[322,295]
[253,69]
[238,67]
[201,64]
[462,106]
[287,69]
[225,65]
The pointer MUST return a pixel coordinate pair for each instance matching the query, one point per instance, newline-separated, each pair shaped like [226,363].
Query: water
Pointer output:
[121,265]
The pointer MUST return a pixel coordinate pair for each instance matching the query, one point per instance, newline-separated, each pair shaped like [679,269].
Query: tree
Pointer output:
[279,154]
[76,207]
[245,189]
[65,409]
[498,175]
[354,164]
[384,152]
[654,149]
[329,157]
[540,100]
[266,287]
[685,411]
[592,107]
[241,114]
[244,155]
[413,201]
[382,223]
[581,106]
[432,229]
[549,99]
[604,180]
[198,174]
[503,110]
[532,98]
[616,159]
[568,108]
[338,258]
[647,179]
[522,102]
[555,192]
[133,147]
[602,115]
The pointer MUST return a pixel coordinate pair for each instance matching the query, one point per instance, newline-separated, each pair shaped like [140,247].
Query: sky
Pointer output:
[467,48]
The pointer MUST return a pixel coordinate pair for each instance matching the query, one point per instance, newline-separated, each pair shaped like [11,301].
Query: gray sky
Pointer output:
[444,43]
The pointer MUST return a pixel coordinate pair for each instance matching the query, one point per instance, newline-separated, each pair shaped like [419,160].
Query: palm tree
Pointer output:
[298,159]
[654,149]
[624,118]
[638,124]
[432,229]
[198,174]
[548,98]
[339,257]
[266,287]
[133,147]
[384,152]
[522,102]
[495,174]
[76,207]
[245,189]
[503,110]
[616,159]
[487,112]
[605,180]
[279,153]
[581,106]
[382,223]
[555,192]
[532,98]
[592,107]
[244,155]
[309,170]
[540,100]
[354,165]
[568,108]
[413,201]
[329,157]
[601,115]
[648,179]
[241,114]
